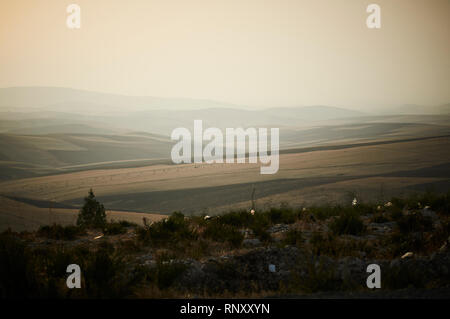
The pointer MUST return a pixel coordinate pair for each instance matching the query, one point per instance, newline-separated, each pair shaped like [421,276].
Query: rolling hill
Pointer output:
[56,143]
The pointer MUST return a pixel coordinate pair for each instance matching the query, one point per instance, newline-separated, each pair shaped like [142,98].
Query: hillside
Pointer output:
[20,216]
[317,251]
[311,176]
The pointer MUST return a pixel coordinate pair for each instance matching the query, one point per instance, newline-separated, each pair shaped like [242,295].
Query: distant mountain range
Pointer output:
[41,110]
[45,130]
[87,102]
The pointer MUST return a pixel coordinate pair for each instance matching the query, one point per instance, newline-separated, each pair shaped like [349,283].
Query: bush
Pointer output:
[125,223]
[237,219]
[243,219]
[414,222]
[260,221]
[325,212]
[318,277]
[172,230]
[395,213]
[114,228]
[59,232]
[282,215]
[166,274]
[104,274]
[403,276]
[399,243]
[262,234]
[437,202]
[349,223]
[379,218]
[16,272]
[41,272]
[293,237]
[223,233]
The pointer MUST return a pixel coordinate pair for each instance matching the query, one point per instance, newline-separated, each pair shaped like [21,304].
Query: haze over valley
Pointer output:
[56,143]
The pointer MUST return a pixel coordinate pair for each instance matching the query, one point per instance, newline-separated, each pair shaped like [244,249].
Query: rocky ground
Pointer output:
[283,253]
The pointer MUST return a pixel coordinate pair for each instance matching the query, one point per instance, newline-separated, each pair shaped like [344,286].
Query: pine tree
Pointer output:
[92,214]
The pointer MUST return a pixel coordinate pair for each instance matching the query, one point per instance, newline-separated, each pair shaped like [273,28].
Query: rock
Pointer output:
[278,228]
[251,242]
[194,275]
[407,255]
[381,228]
[246,232]
[427,212]
[146,260]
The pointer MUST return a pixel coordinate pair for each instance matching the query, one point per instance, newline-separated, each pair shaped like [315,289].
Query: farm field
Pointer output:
[310,177]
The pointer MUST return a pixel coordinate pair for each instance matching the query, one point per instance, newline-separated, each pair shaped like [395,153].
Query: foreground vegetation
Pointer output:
[315,249]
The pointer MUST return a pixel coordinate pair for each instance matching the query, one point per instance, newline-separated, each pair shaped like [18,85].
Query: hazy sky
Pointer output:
[255,52]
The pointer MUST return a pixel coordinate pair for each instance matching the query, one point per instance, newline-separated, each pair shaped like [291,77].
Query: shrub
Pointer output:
[399,243]
[379,218]
[349,223]
[262,234]
[282,215]
[325,212]
[440,234]
[318,277]
[395,213]
[41,272]
[166,274]
[104,274]
[403,276]
[414,222]
[237,219]
[437,202]
[324,244]
[16,272]
[293,237]
[114,228]
[241,219]
[172,230]
[59,232]
[223,233]
[260,221]
[363,209]
[333,246]
[125,223]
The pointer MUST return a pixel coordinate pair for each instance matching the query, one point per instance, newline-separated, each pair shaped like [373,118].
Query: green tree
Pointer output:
[92,214]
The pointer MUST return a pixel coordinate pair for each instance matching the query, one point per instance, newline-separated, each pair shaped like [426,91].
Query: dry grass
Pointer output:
[23,217]
[339,171]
